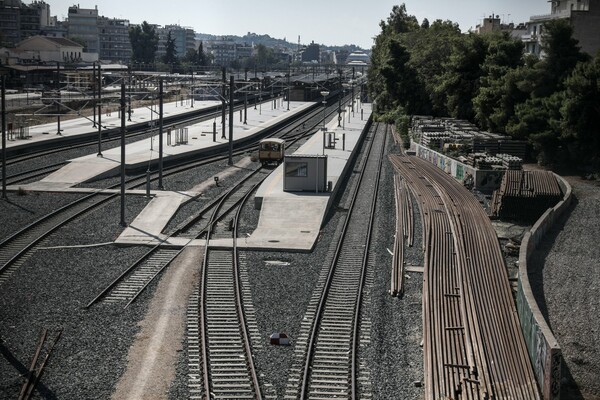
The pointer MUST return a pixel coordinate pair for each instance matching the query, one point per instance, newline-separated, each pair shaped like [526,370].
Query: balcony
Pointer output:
[548,17]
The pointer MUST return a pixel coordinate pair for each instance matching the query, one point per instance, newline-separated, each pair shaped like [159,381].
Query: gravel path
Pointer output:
[566,284]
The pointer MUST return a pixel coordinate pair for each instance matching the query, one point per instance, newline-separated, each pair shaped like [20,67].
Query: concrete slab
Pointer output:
[147,227]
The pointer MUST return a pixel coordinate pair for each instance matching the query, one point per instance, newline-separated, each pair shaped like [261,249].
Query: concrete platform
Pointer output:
[139,154]
[292,221]
[110,120]
[288,220]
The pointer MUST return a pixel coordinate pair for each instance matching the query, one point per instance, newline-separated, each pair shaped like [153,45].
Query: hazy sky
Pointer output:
[330,22]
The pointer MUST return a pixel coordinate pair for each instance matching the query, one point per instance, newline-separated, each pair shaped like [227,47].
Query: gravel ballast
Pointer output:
[566,283]
[52,287]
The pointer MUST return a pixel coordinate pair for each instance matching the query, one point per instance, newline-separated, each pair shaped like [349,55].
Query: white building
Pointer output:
[584,17]
[42,49]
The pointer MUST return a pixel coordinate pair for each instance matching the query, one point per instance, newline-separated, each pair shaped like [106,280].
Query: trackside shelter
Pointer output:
[305,173]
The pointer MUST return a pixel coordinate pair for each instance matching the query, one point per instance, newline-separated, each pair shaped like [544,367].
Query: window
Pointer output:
[296,169]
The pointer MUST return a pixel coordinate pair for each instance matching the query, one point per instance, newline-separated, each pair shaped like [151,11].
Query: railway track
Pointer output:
[130,284]
[326,364]
[226,350]
[15,249]
[473,345]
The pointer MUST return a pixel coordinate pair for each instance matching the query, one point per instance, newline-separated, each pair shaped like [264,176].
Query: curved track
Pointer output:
[226,352]
[473,344]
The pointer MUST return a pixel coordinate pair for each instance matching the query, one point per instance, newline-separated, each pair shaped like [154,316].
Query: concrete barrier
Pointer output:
[544,350]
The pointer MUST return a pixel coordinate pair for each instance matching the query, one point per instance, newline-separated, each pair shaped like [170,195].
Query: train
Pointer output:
[271,151]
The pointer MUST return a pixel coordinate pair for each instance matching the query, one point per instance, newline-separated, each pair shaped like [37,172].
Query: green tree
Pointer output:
[144,43]
[399,21]
[190,57]
[460,81]
[491,105]
[170,56]
[430,51]
[401,79]
[562,54]
[202,56]
[581,114]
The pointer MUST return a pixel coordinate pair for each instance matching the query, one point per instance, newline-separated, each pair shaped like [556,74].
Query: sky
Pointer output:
[328,22]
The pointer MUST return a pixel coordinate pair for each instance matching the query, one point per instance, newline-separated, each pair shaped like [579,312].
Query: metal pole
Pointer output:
[246,107]
[58,95]
[288,88]
[231,84]
[3,95]
[94,91]
[123,223]
[192,101]
[129,96]
[99,112]
[223,94]
[160,134]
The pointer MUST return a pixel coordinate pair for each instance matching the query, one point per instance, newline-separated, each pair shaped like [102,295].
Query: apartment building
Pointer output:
[83,25]
[584,17]
[113,35]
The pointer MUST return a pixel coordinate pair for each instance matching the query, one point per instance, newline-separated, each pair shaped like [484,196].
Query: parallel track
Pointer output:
[226,350]
[330,355]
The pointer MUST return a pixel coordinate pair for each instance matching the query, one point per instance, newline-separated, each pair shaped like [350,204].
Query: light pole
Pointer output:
[324,93]
[192,100]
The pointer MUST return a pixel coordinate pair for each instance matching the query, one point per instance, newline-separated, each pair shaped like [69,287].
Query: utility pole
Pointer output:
[123,223]
[231,85]
[192,101]
[58,95]
[160,134]
[94,91]
[223,94]
[3,99]
[99,111]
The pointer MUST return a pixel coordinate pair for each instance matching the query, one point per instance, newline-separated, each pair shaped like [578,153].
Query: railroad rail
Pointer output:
[226,351]
[473,344]
[15,249]
[328,346]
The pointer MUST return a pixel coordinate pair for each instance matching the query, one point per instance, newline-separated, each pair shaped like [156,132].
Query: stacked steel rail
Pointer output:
[331,360]
[473,345]
[404,235]
[525,195]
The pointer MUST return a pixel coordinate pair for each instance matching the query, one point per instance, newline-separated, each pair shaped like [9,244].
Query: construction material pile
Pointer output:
[525,195]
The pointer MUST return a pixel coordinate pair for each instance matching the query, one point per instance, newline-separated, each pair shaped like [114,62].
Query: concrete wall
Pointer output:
[544,351]
[484,180]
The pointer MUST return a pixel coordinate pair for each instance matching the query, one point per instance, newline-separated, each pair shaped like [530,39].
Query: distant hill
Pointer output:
[268,41]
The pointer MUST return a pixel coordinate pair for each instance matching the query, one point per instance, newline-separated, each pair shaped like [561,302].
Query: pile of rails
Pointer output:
[472,340]
[525,195]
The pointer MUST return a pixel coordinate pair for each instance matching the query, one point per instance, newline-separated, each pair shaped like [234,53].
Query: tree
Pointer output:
[460,81]
[430,51]
[425,24]
[491,105]
[170,56]
[144,43]
[399,21]
[562,53]
[202,57]
[190,57]
[401,79]
[581,114]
